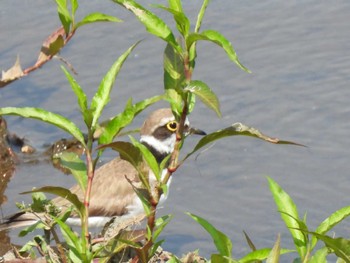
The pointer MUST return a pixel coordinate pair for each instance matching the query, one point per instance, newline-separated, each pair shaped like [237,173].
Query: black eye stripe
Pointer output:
[162,133]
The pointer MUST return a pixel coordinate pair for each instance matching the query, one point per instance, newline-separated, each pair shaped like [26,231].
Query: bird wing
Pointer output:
[111,191]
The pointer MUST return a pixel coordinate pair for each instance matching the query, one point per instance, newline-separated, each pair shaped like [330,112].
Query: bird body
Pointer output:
[112,192]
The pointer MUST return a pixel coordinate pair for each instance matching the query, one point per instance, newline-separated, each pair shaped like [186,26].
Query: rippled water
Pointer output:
[299,90]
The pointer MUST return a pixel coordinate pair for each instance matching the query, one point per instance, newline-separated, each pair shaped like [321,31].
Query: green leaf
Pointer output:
[77,167]
[81,96]
[206,95]
[38,204]
[174,73]
[31,228]
[76,250]
[192,49]
[64,193]
[132,154]
[127,151]
[153,24]
[234,130]
[176,5]
[222,242]
[182,22]
[175,100]
[174,77]
[174,259]
[97,17]
[160,225]
[148,157]
[330,222]
[261,254]
[274,256]
[201,15]
[219,39]
[48,117]
[249,241]
[141,105]
[75,6]
[102,96]
[340,246]
[320,256]
[116,124]
[112,128]
[216,258]
[155,247]
[289,213]
[63,14]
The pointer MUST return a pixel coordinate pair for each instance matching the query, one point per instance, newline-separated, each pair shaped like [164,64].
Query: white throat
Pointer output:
[164,147]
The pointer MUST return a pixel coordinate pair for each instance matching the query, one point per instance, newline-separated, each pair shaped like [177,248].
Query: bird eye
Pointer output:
[172,126]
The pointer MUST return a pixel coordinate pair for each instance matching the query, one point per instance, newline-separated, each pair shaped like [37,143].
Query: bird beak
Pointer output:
[193,130]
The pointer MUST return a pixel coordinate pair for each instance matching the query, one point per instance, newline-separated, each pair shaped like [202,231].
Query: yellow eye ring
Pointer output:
[171,126]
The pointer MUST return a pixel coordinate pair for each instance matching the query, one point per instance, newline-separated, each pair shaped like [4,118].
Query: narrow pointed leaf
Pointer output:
[81,96]
[182,22]
[31,228]
[175,5]
[64,193]
[102,96]
[97,17]
[234,130]
[274,256]
[116,124]
[153,24]
[219,39]
[320,256]
[222,242]
[174,77]
[192,49]
[75,6]
[48,117]
[261,254]
[201,15]
[160,225]
[76,166]
[216,258]
[330,222]
[78,251]
[206,95]
[249,241]
[70,237]
[133,155]
[174,73]
[340,246]
[63,14]
[289,211]
[148,157]
[127,151]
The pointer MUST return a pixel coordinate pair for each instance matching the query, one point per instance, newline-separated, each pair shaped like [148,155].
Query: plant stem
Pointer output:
[59,245]
[90,175]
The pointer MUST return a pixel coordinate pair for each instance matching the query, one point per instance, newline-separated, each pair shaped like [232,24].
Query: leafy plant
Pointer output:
[304,239]
[80,247]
